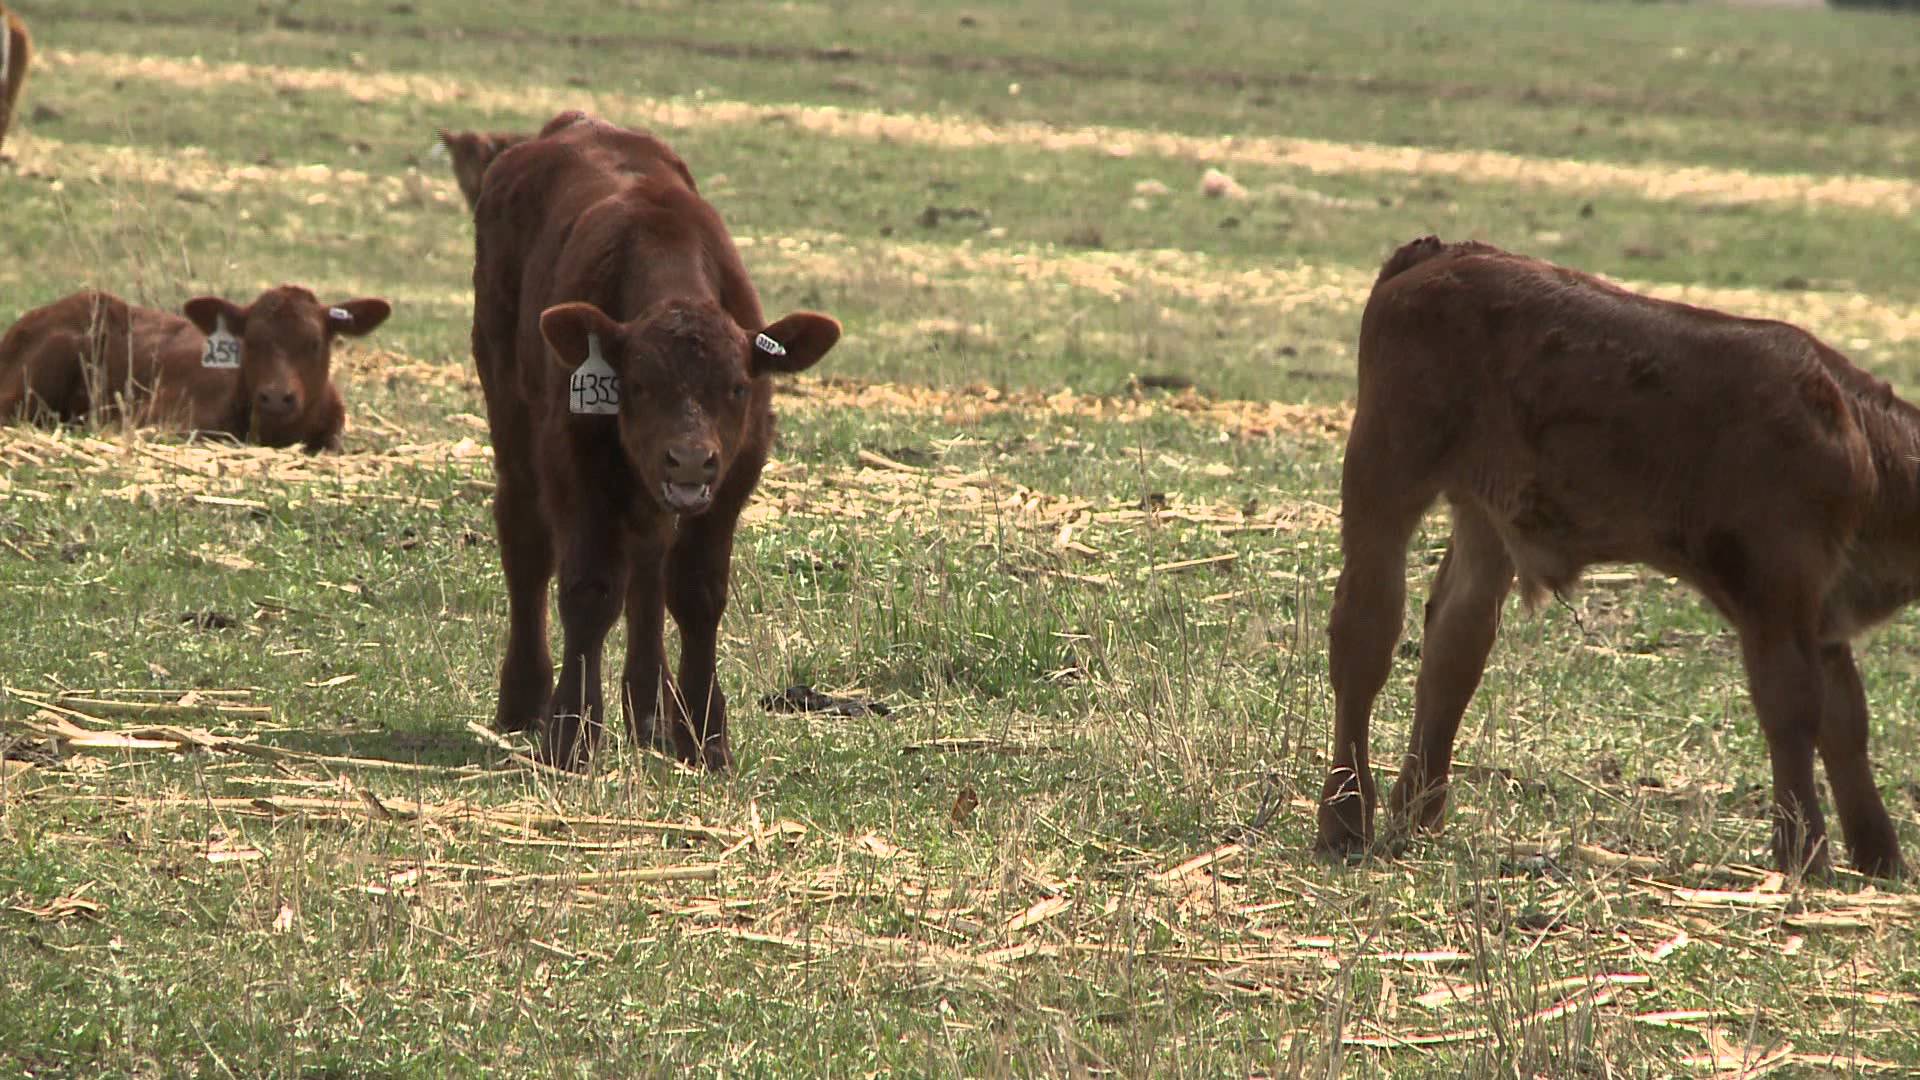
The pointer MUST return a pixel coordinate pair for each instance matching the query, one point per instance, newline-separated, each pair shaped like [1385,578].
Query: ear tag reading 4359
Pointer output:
[593,389]
[223,349]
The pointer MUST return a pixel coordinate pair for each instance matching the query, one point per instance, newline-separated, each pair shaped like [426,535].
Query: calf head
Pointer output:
[470,152]
[286,351]
[687,381]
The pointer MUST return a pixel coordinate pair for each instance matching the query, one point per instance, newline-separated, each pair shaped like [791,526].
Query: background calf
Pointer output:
[260,372]
[1568,422]
[16,49]
[470,152]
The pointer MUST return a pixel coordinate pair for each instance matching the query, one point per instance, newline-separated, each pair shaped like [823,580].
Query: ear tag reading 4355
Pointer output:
[223,349]
[593,389]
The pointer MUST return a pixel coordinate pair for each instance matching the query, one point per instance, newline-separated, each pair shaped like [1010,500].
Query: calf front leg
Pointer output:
[696,594]
[593,583]
[644,684]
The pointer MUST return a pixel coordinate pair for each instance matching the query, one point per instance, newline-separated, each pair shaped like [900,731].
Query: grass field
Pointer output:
[249,827]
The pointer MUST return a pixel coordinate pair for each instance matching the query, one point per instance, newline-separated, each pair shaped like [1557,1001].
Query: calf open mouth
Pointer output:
[686,498]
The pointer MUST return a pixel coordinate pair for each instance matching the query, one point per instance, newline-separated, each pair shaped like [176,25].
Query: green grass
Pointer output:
[374,889]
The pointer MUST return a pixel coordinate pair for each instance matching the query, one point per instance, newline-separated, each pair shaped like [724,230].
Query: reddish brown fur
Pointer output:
[591,231]
[1569,422]
[93,354]
[471,152]
[19,51]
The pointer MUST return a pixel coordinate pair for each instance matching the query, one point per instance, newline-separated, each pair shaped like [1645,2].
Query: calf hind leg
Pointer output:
[646,692]
[526,556]
[1462,617]
[1785,678]
[1379,512]
[1871,841]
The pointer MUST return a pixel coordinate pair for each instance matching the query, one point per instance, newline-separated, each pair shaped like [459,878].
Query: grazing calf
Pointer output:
[260,372]
[626,365]
[16,49]
[470,152]
[1567,422]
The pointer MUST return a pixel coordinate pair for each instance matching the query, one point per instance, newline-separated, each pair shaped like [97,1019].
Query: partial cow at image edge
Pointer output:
[1567,421]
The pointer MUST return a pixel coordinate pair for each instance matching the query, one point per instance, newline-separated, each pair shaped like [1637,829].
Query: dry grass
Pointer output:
[1889,195]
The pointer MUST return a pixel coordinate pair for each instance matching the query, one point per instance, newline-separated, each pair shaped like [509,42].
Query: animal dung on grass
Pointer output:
[1567,422]
[628,376]
[260,373]
[805,699]
[1215,184]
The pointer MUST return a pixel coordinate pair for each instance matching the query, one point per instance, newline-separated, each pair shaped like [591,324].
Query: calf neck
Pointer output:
[626,365]
[1566,422]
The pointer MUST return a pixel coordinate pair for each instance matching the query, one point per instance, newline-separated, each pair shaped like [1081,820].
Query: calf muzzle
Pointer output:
[687,478]
[276,403]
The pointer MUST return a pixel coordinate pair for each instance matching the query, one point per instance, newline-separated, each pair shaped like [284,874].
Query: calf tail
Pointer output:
[15,50]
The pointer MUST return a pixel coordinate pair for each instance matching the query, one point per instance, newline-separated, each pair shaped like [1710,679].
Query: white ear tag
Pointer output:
[593,389]
[223,349]
[769,346]
[439,151]
[340,315]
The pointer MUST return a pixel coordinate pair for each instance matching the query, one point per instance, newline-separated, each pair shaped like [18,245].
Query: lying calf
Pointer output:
[1568,422]
[260,372]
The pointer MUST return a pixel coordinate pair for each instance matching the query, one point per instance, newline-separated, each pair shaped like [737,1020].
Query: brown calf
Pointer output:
[16,49]
[1568,422]
[626,365]
[259,372]
[470,152]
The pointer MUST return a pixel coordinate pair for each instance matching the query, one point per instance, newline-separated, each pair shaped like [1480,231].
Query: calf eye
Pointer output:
[740,391]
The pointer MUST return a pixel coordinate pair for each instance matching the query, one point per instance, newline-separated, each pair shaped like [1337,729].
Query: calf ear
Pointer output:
[795,343]
[358,317]
[207,312]
[566,328]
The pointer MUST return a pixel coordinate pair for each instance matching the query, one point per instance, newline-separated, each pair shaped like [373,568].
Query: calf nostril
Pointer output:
[689,464]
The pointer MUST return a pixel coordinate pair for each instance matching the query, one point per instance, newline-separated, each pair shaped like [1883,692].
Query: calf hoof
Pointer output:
[566,743]
[648,733]
[1808,858]
[1347,803]
[523,703]
[513,721]
[1345,823]
[1416,807]
[1878,855]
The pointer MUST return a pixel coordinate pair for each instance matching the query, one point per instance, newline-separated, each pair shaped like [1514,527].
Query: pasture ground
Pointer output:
[251,829]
